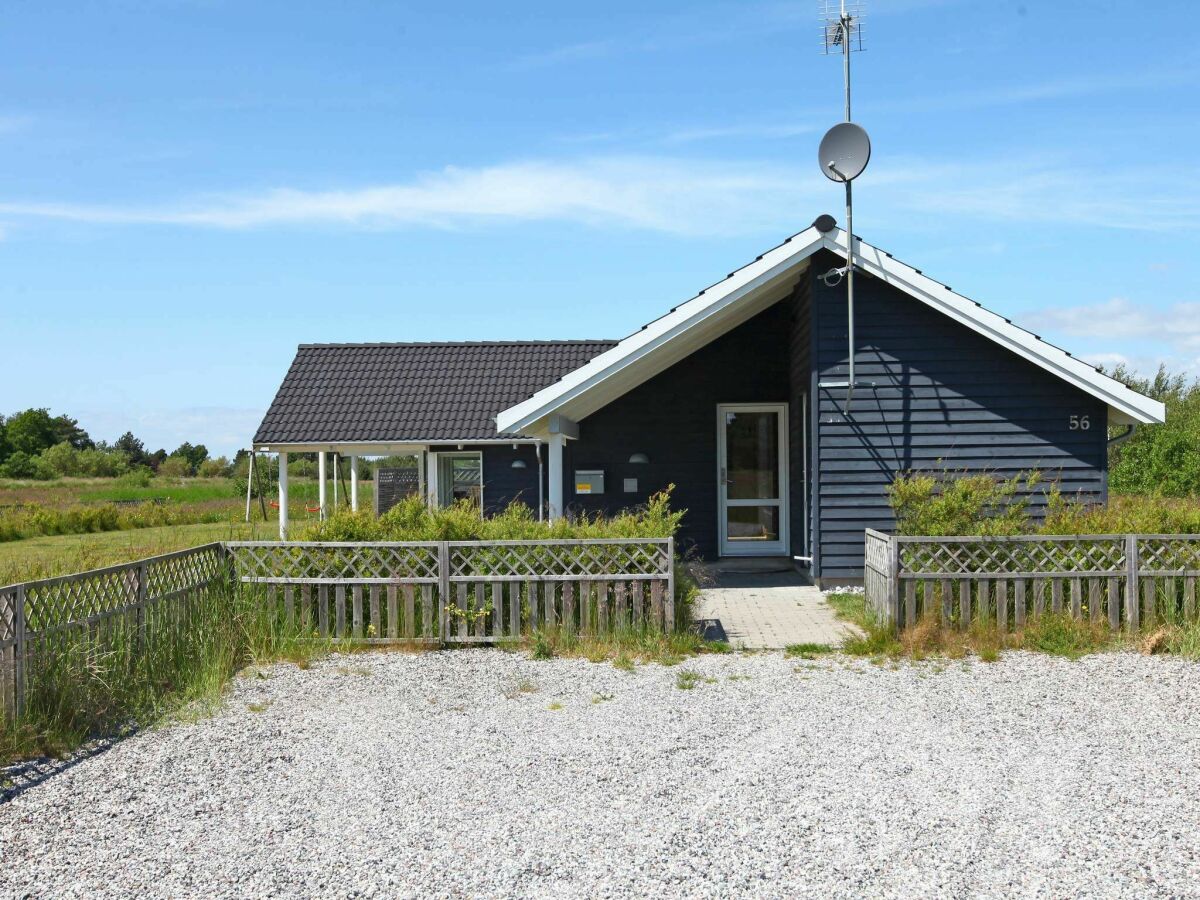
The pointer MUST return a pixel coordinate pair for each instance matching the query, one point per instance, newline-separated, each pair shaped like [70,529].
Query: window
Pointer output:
[460,477]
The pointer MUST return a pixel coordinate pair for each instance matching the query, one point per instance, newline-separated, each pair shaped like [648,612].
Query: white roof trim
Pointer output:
[695,322]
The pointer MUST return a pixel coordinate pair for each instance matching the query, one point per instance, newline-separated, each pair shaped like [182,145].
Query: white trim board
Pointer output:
[753,288]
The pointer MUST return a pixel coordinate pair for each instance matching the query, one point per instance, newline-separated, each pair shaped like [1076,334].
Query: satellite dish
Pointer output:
[844,152]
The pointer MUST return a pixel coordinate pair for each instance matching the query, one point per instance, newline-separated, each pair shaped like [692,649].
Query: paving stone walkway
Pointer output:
[771,610]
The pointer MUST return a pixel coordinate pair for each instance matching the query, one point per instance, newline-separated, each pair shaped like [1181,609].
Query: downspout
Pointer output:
[1122,438]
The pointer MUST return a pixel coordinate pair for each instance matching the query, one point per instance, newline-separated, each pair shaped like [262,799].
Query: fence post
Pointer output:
[443,589]
[1133,612]
[892,613]
[670,604]
[19,652]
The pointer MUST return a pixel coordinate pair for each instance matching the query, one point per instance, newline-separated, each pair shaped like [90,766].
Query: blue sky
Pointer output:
[190,189]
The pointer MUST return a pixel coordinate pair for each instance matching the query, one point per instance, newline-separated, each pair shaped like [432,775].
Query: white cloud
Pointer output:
[677,195]
[1177,326]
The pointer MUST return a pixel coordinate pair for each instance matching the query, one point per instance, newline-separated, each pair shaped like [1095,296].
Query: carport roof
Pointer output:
[415,393]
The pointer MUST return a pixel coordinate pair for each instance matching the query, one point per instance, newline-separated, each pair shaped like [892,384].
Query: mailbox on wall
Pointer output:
[589,481]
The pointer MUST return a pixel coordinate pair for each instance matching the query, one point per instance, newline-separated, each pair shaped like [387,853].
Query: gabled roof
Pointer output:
[768,279]
[411,393]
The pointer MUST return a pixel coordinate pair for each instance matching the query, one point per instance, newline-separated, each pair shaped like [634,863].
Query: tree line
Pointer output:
[35,444]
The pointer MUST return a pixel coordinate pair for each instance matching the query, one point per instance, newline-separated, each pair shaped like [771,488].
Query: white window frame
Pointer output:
[433,491]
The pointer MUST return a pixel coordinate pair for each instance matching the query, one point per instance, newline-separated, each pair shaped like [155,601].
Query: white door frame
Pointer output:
[781,547]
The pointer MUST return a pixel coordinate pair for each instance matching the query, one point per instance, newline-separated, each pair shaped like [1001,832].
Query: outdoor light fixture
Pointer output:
[639,459]
[518,464]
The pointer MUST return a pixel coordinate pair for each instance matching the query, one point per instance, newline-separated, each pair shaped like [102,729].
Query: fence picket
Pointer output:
[1076,598]
[1019,603]
[1114,604]
[1094,599]
[323,609]
[568,606]
[1002,604]
[656,603]
[964,604]
[376,621]
[498,608]
[1149,601]
[1189,597]
[910,603]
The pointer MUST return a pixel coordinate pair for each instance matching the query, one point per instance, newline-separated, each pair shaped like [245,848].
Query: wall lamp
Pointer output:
[639,459]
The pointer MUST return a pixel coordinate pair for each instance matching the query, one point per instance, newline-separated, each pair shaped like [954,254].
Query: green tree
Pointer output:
[67,429]
[1160,459]
[31,431]
[134,450]
[193,455]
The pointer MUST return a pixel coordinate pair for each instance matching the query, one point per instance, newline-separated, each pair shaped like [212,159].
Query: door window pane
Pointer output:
[752,455]
[460,478]
[747,524]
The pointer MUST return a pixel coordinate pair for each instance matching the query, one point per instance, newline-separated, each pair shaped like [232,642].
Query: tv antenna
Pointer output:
[844,153]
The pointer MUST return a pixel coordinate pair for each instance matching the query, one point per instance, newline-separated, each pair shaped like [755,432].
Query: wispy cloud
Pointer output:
[223,430]
[1177,326]
[685,196]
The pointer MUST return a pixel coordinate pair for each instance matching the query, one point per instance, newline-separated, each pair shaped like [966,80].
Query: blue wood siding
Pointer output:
[945,399]
[673,419]
[502,484]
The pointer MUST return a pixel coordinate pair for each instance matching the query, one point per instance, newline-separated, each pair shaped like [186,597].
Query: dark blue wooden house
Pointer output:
[737,397]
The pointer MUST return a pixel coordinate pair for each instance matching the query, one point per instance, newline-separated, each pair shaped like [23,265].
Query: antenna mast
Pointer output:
[843,159]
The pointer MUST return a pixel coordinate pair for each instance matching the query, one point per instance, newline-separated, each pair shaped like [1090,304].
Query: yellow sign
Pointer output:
[583,488]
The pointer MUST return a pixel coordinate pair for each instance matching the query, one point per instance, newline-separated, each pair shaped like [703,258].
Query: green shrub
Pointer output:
[949,504]
[174,467]
[1161,459]
[21,465]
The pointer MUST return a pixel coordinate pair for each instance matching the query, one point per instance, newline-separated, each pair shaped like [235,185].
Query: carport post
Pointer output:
[556,475]
[283,495]
[321,479]
[354,482]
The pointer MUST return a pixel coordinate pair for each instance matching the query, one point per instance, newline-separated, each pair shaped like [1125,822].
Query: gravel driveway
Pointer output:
[457,774]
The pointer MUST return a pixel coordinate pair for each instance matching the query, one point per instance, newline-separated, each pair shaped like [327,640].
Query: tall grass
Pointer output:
[87,683]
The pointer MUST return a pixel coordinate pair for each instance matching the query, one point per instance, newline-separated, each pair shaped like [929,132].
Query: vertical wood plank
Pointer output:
[1076,599]
[463,604]
[306,607]
[323,608]
[656,603]
[1002,604]
[947,601]
[427,610]
[584,595]
[1133,590]
[1114,604]
[531,597]
[1019,602]
[1056,595]
[964,603]
[568,606]
[621,600]
[910,603]
[497,609]
[356,600]
[639,620]
[376,621]
[1094,599]
[1149,602]
[514,608]
[602,607]
[393,606]
[1039,597]
[983,600]
[289,605]
[339,610]
[1189,597]
[550,603]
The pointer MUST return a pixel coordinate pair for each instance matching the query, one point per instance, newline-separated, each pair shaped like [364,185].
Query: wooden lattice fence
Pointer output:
[462,592]
[137,600]
[1131,581]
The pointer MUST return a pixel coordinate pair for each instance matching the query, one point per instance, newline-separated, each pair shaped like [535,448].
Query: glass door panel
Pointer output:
[753,486]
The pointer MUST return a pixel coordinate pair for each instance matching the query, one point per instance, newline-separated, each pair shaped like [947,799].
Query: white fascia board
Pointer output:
[384,448]
[1126,406]
[647,343]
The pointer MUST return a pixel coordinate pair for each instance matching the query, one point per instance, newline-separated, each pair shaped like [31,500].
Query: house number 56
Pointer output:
[1080,423]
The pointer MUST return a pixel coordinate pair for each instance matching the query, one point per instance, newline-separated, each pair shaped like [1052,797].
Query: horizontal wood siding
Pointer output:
[945,399]
[672,418]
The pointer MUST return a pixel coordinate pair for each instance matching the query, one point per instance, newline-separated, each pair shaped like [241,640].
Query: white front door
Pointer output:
[752,487]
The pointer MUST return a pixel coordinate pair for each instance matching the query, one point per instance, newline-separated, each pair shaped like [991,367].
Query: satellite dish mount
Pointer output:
[843,155]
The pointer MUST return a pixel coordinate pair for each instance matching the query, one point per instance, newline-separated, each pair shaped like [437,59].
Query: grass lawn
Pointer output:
[43,557]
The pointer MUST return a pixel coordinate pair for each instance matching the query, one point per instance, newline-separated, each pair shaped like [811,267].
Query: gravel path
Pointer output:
[435,774]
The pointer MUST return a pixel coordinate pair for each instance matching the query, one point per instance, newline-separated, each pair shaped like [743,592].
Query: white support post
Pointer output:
[321,479]
[556,444]
[431,480]
[283,496]
[249,482]
[337,476]
[354,482]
